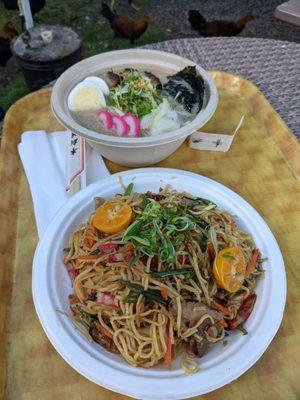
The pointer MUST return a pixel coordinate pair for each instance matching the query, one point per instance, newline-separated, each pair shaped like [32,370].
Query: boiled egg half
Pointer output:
[100,82]
[88,95]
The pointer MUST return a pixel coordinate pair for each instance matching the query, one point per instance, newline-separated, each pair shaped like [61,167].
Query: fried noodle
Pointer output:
[128,319]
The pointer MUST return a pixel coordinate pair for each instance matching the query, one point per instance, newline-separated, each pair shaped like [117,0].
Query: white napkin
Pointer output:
[44,159]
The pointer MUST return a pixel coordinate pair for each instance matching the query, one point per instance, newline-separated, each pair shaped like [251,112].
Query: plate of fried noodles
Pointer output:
[159,283]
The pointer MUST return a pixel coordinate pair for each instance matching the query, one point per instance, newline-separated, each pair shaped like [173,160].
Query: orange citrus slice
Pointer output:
[112,217]
[230,268]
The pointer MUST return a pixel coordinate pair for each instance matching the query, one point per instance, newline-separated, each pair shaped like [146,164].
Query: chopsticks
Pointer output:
[76,163]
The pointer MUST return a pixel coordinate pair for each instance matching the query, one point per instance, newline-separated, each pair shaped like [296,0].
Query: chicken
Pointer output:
[124,26]
[6,35]
[9,31]
[217,28]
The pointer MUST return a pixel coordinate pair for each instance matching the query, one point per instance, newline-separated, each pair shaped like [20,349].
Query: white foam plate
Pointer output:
[221,365]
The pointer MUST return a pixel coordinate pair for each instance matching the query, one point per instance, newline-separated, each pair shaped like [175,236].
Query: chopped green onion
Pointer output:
[95,252]
[160,228]
[140,240]
[227,255]
[171,272]
[145,200]
[199,199]
[129,189]
[133,261]
[242,329]
[135,94]
[153,295]
[133,229]
[205,201]
[130,299]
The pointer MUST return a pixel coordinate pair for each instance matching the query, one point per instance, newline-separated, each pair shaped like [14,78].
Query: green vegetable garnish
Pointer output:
[171,272]
[84,316]
[135,94]
[95,252]
[159,229]
[153,295]
[129,189]
[242,329]
[227,255]
[131,299]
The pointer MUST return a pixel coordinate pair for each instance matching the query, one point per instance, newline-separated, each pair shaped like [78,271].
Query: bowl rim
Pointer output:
[201,118]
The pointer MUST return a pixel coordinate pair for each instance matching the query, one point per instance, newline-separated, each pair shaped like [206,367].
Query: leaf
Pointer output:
[205,201]
[133,229]
[129,189]
[140,240]
[202,242]
[145,200]
[200,212]
[133,261]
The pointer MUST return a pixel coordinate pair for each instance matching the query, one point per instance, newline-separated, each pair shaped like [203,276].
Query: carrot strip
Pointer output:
[252,262]
[89,242]
[222,309]
[211,251]
[94,230]
[164,293]
[103,330]
[168,355]
[89,257]
[86,259]
[222,323]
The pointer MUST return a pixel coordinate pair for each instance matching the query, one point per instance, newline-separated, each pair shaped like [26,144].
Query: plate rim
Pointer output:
[178,173]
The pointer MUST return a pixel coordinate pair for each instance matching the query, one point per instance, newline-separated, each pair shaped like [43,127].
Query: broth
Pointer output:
[172,114]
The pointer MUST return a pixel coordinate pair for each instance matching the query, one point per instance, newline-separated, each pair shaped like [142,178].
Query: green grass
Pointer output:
[85,18]
[15,89]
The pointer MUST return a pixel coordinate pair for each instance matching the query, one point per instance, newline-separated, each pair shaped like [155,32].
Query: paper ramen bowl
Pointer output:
[131,152]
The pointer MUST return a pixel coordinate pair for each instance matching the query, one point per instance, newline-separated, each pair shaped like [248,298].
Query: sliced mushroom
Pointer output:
[126,72]
[198,348]
[113,79]
[154,79]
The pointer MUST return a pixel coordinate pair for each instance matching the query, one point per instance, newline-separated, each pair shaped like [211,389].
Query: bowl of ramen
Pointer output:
[134,107]
[158,275]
